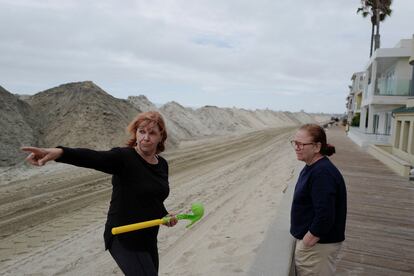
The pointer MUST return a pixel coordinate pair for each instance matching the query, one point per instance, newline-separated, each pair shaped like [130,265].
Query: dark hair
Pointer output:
[148,117]
[319,136]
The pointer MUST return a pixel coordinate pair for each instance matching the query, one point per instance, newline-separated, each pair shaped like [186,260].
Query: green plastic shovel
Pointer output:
[197,210]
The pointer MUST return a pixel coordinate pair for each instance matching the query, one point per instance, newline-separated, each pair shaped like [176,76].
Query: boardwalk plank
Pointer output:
[380,222]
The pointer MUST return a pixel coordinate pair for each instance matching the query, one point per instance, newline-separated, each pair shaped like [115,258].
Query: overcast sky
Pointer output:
[281,55]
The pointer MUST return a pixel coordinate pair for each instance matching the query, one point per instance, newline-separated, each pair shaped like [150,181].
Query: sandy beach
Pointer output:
[53,220]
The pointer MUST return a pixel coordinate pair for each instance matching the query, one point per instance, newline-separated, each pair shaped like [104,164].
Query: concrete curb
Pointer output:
[275,254]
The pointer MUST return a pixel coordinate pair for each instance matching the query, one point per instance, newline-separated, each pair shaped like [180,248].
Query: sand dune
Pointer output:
[82,114]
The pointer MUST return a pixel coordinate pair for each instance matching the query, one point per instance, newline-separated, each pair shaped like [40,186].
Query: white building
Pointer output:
[387,81]
[354,99]
[399,155]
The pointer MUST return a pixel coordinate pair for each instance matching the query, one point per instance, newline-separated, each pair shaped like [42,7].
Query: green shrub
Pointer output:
[355,120]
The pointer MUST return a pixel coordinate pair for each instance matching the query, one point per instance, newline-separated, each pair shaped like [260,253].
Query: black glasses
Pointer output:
[299,145]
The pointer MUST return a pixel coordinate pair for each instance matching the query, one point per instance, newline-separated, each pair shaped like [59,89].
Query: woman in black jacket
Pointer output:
[139,188]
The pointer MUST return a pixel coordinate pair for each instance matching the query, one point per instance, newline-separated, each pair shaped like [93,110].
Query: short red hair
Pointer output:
[147,118]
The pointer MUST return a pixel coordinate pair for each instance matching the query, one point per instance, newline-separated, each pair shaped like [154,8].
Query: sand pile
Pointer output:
[142,103]
[18,127]
[75,114]
[81,114]
[184,122]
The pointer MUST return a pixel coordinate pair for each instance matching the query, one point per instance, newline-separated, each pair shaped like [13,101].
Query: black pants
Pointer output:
[135,263]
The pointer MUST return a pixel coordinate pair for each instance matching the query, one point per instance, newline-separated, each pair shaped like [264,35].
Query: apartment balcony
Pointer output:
[393,87]
[367,94]
[387,91]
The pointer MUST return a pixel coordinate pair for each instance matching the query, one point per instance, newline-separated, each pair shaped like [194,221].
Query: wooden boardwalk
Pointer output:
[380,222]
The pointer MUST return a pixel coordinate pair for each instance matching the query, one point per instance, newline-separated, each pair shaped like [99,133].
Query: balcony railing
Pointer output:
[393,87]
[363,138]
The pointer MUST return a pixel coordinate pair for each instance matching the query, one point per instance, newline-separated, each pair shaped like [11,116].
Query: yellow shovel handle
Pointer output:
[137,226]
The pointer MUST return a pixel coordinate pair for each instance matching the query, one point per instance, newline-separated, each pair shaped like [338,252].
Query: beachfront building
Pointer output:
[354,99]
[349,105]
[386,84]
[399,154]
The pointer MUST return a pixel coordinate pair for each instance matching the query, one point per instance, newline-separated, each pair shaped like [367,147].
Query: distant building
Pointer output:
[387,85]
[393,86]
[354,99]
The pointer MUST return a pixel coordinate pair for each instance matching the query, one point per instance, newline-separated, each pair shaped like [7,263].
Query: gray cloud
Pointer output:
[272,54]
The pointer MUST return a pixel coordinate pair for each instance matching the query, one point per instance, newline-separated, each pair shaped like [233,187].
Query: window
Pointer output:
[390,82]
[388,123]
[376,123]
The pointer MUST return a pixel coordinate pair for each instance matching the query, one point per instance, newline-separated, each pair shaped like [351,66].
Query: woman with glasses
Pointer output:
[319,204]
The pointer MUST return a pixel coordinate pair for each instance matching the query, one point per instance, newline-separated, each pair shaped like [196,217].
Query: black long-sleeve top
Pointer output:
[138,191]
[319,203]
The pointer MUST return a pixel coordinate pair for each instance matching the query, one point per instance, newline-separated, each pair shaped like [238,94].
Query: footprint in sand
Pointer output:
[215,245]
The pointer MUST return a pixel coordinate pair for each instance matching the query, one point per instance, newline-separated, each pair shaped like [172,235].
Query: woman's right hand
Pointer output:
[40,156]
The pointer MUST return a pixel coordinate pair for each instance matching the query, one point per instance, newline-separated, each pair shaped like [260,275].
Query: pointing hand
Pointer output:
[40,156]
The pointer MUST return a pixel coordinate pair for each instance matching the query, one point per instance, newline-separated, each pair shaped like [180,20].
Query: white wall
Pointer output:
[380,110]
[403,69]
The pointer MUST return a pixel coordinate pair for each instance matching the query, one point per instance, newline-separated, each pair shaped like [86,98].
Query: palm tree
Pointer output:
[378,10]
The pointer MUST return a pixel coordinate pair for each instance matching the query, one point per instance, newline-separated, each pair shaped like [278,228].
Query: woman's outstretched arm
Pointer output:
[105,161]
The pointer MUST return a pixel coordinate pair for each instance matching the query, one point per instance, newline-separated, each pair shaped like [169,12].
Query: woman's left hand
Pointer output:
[173,220]
[310,240]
